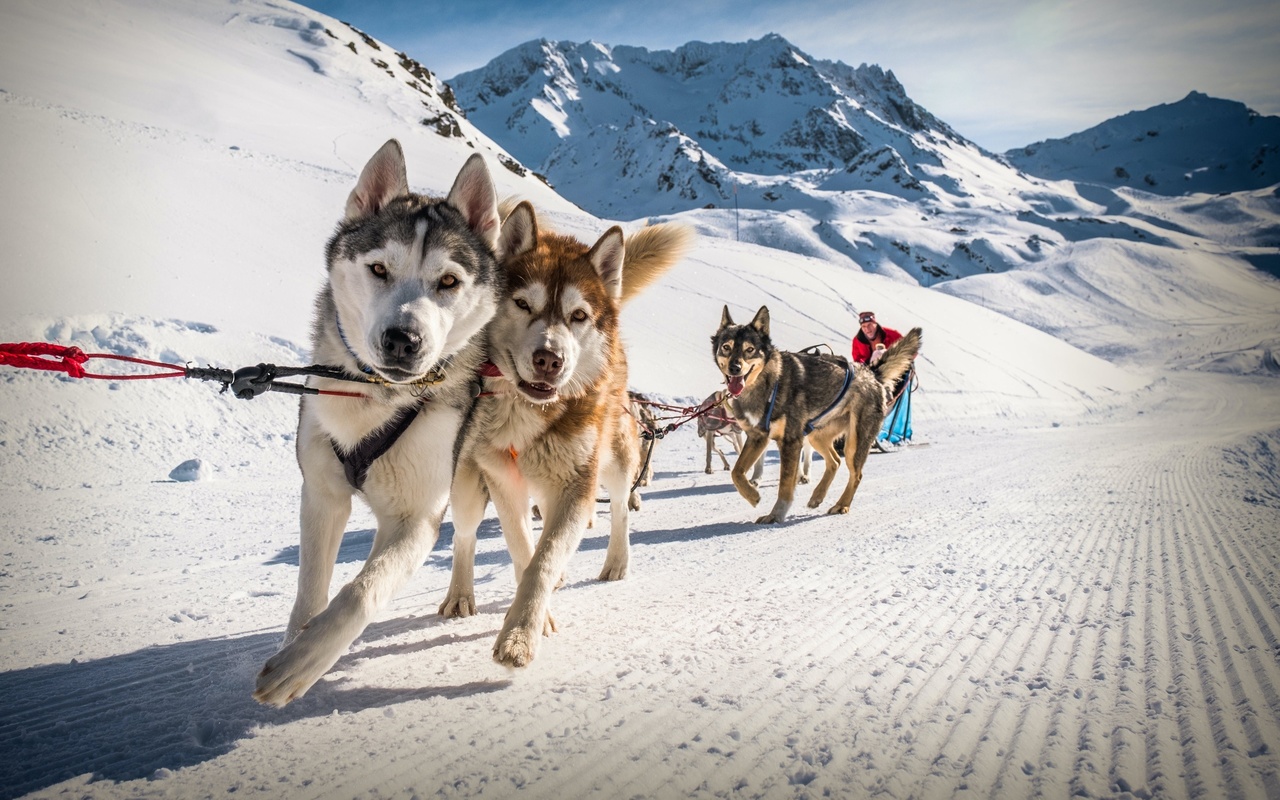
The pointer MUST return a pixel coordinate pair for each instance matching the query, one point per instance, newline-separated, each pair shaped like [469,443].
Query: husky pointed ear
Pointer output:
[725,319]
[473,194]
[519,232]
[382,180]
[761,321]
[607,256]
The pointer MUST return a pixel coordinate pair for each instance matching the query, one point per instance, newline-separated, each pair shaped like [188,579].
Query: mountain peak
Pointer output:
[759,107]
[1197,144]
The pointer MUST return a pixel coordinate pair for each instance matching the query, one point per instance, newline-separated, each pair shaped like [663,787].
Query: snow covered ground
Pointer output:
[1072,590]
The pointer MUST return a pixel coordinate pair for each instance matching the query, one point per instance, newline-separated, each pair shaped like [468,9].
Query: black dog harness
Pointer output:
[357,462]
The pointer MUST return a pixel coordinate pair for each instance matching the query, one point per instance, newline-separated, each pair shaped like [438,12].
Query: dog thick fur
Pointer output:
[411,282]
[775,393]
[554,425]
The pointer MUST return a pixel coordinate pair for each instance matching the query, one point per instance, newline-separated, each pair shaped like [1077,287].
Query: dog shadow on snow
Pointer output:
[137,715]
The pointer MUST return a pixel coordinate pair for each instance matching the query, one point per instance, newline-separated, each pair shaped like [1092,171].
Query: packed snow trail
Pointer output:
[1087,609]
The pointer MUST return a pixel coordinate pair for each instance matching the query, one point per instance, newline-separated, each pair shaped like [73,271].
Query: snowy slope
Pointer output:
[1071,590]
[202,89]
[1198,144]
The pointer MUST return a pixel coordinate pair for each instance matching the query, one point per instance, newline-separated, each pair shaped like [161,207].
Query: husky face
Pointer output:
[742,350]
[553,331]
[412,278]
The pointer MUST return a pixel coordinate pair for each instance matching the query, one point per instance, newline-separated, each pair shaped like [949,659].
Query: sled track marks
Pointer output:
[971,630]
[935,655]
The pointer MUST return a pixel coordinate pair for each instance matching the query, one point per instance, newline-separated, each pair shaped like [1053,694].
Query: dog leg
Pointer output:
[754,449]
[511,500]
[618,556]
[856,448]
[529,618]
[326,507]
[830,464]
[710,436]
[468,499]
[806,457]
[398,550]
[789,453]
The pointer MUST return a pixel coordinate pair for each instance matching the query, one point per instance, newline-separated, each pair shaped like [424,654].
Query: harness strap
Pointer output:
[767,421]
[372,447]
[848,377]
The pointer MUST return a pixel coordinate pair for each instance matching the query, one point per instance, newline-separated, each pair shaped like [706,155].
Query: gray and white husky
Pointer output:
[411,281]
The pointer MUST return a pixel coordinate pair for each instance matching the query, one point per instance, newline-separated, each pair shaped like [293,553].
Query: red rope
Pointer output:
[60,358]
[71,360]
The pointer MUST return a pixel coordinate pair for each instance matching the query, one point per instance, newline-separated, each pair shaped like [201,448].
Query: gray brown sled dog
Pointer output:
[787,397]
[553,422]
[411,282]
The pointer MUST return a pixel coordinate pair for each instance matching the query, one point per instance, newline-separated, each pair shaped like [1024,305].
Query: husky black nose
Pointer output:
[547,364]
[400,345]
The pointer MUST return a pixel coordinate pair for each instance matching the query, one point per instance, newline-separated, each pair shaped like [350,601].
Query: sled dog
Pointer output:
[721,423]
[411,282]
[553,422]
[647,421]
[787,397]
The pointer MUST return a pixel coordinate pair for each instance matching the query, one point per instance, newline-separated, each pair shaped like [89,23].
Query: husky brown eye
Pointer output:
[748,350]
[379,270]
[578,316]
[448,281]
[522,305]
[725,348]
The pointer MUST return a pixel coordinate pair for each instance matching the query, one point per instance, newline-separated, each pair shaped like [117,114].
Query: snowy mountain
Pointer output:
[628,130]
[1198,144]
[839,163]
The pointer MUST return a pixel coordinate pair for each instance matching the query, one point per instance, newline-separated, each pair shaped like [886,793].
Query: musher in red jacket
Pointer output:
[872,336]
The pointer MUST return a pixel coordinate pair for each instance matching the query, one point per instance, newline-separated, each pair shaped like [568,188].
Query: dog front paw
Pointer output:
[517,645]
[838,509]
[614,570]
[291,672]
[769,519]
[459,605]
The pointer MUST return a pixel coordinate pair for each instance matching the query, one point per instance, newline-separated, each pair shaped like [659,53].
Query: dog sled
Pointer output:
[895,431]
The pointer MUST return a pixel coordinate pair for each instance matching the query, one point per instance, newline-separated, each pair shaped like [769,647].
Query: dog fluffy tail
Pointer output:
[650,252]
[897,359]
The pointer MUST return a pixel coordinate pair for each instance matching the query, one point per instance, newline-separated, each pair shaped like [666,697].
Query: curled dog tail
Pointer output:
[897,359]
[650,252]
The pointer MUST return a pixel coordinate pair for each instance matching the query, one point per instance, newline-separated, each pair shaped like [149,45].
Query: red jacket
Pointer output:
[862,347]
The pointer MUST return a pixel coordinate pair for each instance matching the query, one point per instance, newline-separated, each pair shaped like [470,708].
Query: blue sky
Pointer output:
[1002,73]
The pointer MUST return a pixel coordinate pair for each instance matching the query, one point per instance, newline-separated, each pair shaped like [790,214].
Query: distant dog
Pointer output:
[787,396]
[411,281]
[718,423]
[641,408]
[554,423]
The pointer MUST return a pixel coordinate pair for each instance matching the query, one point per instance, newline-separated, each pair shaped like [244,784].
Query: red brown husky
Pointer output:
[554,424]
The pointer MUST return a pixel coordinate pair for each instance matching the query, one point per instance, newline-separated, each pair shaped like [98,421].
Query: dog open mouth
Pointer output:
[736,383]
[538,391]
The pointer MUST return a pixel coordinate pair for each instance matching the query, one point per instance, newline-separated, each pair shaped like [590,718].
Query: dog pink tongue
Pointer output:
[736,382]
